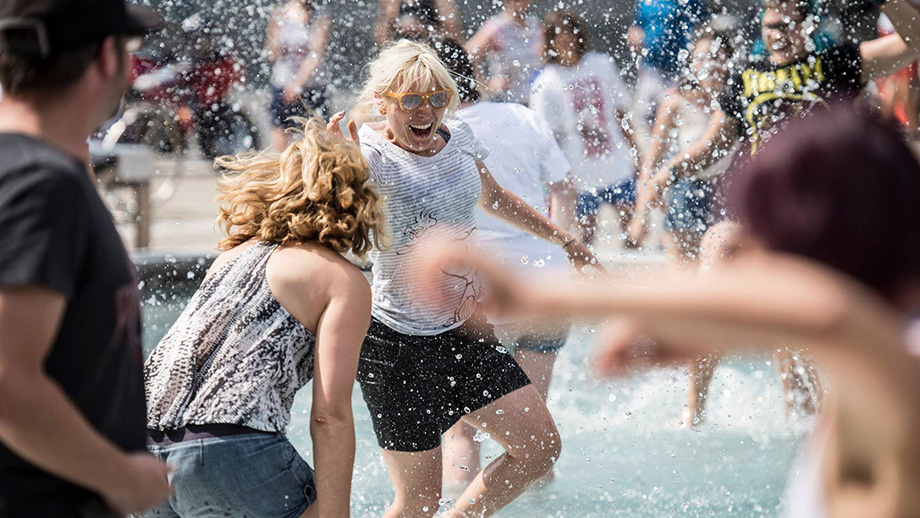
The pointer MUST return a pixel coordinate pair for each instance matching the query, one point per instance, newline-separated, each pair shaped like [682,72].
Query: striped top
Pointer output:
[234,356]
[433,198]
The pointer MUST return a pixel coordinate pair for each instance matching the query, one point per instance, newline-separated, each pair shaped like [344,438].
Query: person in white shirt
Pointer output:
[582,96]
[427,362]
[524,158]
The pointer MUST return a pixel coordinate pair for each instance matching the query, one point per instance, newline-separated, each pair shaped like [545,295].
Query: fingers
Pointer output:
[333,125]
[353,130]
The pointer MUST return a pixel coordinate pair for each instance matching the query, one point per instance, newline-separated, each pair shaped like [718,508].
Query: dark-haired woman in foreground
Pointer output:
[839,275]
[279,307]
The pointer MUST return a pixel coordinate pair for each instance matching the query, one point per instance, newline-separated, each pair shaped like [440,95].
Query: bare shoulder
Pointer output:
[306,278]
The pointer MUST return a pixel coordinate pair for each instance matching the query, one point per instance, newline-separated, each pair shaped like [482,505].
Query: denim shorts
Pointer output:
[689,206]
[589,202]
[244,476]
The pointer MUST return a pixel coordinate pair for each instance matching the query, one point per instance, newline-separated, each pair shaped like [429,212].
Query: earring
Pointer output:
[383,111]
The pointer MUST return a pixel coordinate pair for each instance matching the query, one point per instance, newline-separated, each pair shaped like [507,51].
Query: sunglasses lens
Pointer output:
[440,99]
[410,102]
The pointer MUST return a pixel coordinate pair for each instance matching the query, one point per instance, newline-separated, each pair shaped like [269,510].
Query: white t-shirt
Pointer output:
[523,158]
[430,205]
[580,104]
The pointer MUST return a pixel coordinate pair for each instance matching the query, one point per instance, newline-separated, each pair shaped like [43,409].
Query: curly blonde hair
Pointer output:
[316,190]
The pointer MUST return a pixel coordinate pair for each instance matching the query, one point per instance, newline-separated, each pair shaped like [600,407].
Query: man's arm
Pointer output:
[887,55]
[40,424]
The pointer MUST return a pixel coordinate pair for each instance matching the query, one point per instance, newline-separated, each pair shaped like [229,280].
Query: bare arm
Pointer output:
[40,423]
[510,208]
[448,10]
[272,46]
[722,133]
[562,201]
[386,15]
[624,121]
[887,55]
[319,43]
[340,333]
[659,140]
[481,42]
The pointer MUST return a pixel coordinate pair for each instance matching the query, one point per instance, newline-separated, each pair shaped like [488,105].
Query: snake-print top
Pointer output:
[234,356]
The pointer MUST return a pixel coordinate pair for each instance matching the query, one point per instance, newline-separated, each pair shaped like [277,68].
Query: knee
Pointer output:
[544,450]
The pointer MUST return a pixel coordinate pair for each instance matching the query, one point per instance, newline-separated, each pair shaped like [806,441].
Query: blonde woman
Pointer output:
[429,361]
[279,307]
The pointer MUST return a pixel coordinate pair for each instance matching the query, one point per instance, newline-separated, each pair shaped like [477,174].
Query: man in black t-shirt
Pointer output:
[72,431]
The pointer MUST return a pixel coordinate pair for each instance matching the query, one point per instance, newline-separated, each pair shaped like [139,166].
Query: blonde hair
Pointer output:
[316,190]
[404,64]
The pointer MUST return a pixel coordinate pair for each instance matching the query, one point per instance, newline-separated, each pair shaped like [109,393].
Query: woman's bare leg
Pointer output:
[802,388]
[700,371]
[416,477]
[461,456]
[523,426]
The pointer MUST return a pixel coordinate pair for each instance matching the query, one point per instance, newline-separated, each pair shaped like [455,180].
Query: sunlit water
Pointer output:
[622,453]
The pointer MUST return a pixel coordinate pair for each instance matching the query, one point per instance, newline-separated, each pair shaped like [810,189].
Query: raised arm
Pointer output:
[387,12]
[448,10]
[39,423]
[481,42]
[319,42]
[887,55]
[509,207]
[723,132]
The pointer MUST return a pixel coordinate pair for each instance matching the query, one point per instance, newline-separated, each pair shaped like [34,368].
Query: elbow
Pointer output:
[332,421]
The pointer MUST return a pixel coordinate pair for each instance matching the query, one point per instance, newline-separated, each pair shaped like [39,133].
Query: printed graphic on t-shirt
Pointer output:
[781,94]
[764,96]
[424,221]
[470,288]
[588,101]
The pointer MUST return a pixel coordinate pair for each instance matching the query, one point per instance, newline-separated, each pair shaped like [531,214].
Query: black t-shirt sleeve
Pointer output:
[843,65]
[730,99]
[43,229]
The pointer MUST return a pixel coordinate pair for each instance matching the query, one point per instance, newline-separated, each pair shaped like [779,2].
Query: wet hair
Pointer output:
[405,64]
[563,20]
[316,190]
[839,187]
[461,68]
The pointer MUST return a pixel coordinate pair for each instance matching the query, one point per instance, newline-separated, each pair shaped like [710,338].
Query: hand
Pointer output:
[581,256]
[334,127]
[628,344]
[291,94]
[145,485]
[635,232]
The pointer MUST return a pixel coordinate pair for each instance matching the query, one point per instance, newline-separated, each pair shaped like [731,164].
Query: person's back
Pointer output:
[71,388]
[279,307]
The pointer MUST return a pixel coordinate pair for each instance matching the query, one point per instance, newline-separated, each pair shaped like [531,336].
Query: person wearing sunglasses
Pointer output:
[429,359]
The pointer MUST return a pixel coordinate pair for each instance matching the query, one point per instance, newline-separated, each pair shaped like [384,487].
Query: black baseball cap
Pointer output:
[42,28]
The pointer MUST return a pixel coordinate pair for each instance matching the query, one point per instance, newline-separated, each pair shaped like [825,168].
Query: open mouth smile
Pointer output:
[422,130]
